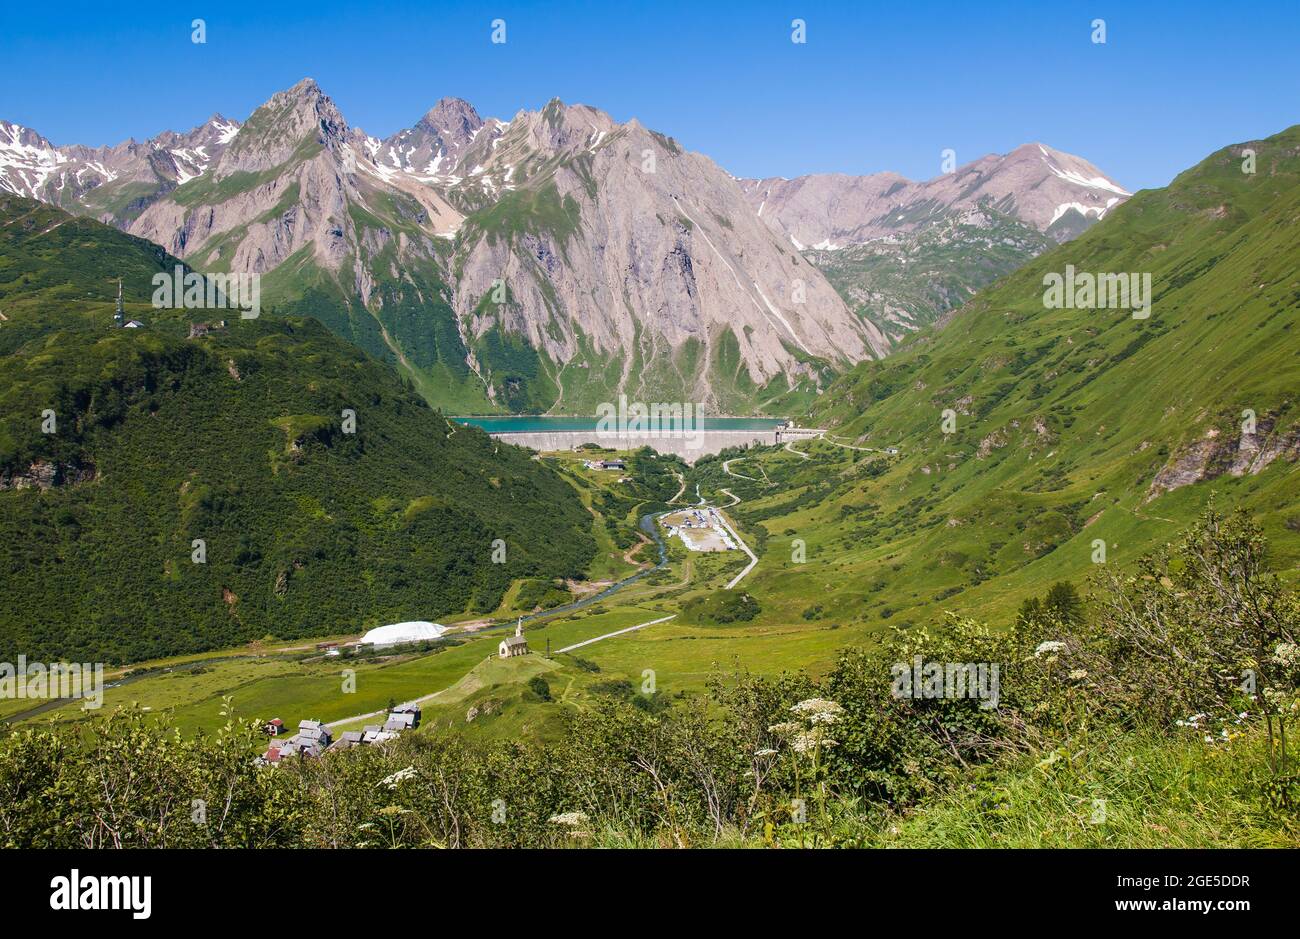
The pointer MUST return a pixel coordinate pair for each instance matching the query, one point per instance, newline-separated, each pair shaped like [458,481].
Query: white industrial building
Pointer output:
[398,634]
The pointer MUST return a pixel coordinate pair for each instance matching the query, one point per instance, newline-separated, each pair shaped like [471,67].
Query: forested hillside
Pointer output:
[119,448]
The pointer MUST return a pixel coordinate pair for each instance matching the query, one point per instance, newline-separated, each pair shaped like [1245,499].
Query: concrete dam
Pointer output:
[689,447]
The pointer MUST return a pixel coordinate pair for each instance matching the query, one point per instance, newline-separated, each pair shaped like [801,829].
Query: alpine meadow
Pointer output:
[538,481]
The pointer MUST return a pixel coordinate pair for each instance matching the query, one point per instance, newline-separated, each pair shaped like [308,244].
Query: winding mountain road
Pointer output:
[753,558]
[681,479]
[847,446]
[726,468]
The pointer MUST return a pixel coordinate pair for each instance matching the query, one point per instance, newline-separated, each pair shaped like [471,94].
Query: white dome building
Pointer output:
[401,633]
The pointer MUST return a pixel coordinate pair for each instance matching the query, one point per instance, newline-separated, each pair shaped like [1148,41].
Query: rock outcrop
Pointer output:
[1216,454]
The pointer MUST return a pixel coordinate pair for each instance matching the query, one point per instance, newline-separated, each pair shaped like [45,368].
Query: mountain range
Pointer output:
[903,253]
[555,260]
[113,184]
[1016,435]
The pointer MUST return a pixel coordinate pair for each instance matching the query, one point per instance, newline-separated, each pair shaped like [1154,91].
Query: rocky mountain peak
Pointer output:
[16,135]
[299,117]
[79,177]
[435,146]
[305,88]
[562,127]
[26,159]
[451,117]
[215,131]
[1042,186]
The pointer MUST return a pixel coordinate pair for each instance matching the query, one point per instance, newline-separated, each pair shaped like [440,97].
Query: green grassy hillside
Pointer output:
[1078,435]
[51,259]
[1081,745]
[1069,426]
[1018,447]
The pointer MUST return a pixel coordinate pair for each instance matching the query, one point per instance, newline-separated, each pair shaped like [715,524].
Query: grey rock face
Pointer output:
[608,237]
[1215,454]
[658,242]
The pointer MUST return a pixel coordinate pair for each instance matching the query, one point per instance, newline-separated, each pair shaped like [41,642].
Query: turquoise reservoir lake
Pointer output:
[536,424]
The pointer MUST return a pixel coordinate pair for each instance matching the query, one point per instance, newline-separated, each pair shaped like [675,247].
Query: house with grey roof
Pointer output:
[347,740]
[401,721]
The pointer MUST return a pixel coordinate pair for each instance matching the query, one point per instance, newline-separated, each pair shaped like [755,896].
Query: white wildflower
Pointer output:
[810,741]
[400,776]
[818,711]
[571,819]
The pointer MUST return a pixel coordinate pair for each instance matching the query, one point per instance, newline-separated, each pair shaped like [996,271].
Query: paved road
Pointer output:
[361,717]
[682,480]
[753,558]
[384,712]
[847,446]
[726,468]
[617,632]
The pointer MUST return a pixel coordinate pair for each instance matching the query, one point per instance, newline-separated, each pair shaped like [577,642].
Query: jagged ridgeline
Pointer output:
[558,259]
[234,435]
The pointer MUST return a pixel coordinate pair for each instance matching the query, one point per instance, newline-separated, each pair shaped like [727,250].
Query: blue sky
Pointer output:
[877,86]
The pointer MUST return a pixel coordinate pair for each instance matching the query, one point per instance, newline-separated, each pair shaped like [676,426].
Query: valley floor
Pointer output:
[818,588]
[809,591]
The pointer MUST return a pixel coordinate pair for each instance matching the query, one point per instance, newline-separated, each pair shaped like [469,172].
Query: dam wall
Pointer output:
[689,447]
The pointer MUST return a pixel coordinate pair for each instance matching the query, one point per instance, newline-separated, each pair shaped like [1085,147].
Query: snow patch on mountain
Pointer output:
[26,159]
[1070,176]
[1084,210]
